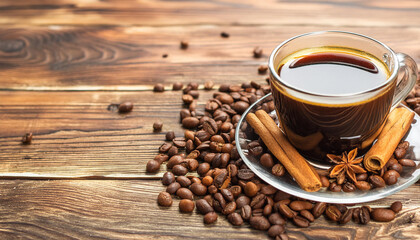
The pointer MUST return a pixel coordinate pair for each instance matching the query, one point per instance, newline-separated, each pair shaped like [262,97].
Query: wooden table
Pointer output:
[63,62]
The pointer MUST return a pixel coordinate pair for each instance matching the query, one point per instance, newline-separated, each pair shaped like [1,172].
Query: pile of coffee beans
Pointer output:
[206,172]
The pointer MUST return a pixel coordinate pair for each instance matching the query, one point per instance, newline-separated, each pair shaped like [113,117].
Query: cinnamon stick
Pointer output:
[295,164]
[397,125]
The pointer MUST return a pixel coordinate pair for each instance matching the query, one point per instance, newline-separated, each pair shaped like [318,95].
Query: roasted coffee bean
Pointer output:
[190,122]
[257,212]
[210,126]
[203,206]
[285,211]
[262,69]
[194,93]
[165,147]
[198,189]
[208,85]
[184,193]
[396,206]
[183,44]
[225,98]
[220,179]
[172,151]
[255,149]
[377,181]
[184,113]
[186,205]
[324,181]
[217,139]
[300,205]
[203,168]
[391,161]
[184,181]
[400,153]
[391,177]
[267,160]
[259,223]
[212,189]
[187,98]
[349,187]
[170,136]
[235,190]
[364,215]
[278,170]
[207,181]
[168,178]
[174,160]
[382,215]
[258,52]
[179,170]
[268,190]
[235,219]
[158,88]
[363,185]
[229,208]
[396,166]
[210,218]
[164,199]
[251,189]
[224,34]
[308,215]
[333,213]
[192,164]
[227,194]
[346,217]
[179,142]
[161,158]
[125,107]
[342,208]
[245,174]
[258,201]
[177,86]
[334,187]
[152,166]
[275,230]
[276,219]
[282,236]
[267,210]
[224,87]
[362,177]
[220,199]
[300,222]
[407,162]
[226,127]
[242,201]
[240,106]
[157,126]
[173,187]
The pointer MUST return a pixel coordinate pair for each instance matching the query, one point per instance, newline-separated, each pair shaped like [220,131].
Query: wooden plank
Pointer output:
[116,209]
[76,136]
[130,58]
[247,12]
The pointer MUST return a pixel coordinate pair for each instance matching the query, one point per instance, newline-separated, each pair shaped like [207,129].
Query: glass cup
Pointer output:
[317,124]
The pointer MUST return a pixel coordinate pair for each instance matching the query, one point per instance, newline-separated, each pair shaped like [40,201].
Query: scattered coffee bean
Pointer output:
[168,178]
[125,107]
[184,181]
[407,162]
[276,219]
[396,206]
[177,86]
[349,187]
[364,215]
[382,214]
[173,187]
[203,206]
[165,55]
[185,193]
[190,122]
[245,174]
[157,126]
[170,135]
[346,217]
[164,199]
[208,85]
[158,88]
[259,223]
[187,98]
[251,189]
[275,230]
[333,213]
[300,222]
[198,189]
[210,218]
[262,69]
[319,209]
[300,205]
[258,52]
[27,138]
[267,160]
[242,201]
[183,44]
[186,205]
[235,219]
[377,181]
[325,182]
[391,177]
[308,215]
[224,34]
[363,185]
[152,166]
[278,170]
[285,211]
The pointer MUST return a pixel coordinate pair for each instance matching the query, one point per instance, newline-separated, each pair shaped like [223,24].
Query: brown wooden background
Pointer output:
[62,62]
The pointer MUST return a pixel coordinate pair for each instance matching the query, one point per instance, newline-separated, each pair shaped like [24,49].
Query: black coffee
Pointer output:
[320,128]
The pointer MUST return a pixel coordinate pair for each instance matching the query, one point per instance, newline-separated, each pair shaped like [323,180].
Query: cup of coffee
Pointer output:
[333,90]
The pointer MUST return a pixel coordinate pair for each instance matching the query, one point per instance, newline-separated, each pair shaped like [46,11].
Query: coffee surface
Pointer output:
[332,72]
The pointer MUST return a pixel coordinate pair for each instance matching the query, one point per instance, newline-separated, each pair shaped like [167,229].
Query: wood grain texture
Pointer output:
[229,12]
[111,209]
[130,58]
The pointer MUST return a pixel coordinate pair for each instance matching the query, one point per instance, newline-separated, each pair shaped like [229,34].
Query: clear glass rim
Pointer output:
[274,73]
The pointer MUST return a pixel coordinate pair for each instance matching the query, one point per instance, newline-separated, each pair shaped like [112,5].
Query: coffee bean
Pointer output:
[203,206]
[246,212]
[275,230]
[187,98]
[179,142]
[161,158]
[174,160]
[333,213]
[407,162]
[225,98]
[245,174]
[190,122]
[334,187]
[185,193]
[208,85]
[396,206]
[363,185]
[308,215]
[210,218]
[229,208]
[179,170]
[235,219]
[207,180]
[184,113]
[152,166]
[220,179]
[362,177]
[278,170]
[300,205]
[224,34]
[242,201]
[170,135]
[173,187]
[258,201]
[324,181]
[186,205]
[259,223]
[203,168]
[267,160]
[184,181]
[391,177]
[285,211]
[240,106]
[227,194]
[382,215]
[356,215]
[210,126]
[194,93]
[268,190]
[198,189]
[164,199]
[342,208]
[177,86]
[157,126]
[346,217]
[168,178]
[349,187]
[251,189]
[377,181]
[172,151]
[396,166]
[165,55]
[267,210]
[258,52]
[276,219]
[400,153]
[364,215]
[125,107]
[300,222]
[158,88]
[183,44]
[262,69]
[319,209]
[235,88]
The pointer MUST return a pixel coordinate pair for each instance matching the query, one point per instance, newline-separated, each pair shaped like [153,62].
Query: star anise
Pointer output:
[347,164]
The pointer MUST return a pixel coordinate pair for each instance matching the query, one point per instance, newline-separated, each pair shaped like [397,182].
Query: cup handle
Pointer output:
[407,78]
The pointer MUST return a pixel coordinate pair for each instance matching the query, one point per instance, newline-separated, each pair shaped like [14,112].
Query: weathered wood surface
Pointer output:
[113,209]
[130,58]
